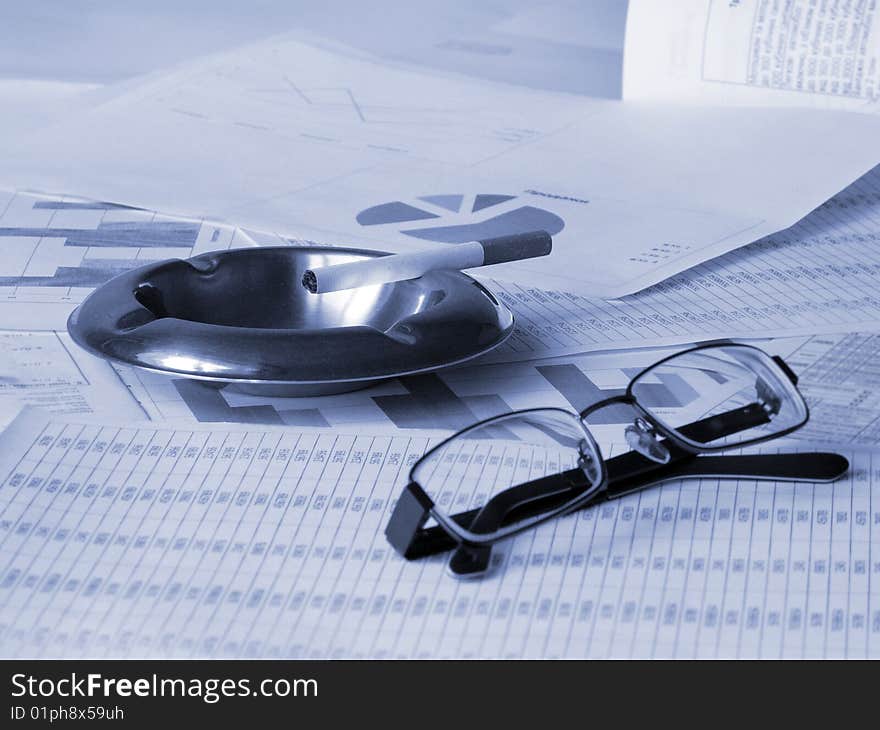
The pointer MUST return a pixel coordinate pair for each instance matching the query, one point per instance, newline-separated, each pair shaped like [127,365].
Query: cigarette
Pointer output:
[385,269]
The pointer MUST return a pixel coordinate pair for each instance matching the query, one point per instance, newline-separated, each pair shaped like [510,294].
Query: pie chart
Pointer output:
[459,218]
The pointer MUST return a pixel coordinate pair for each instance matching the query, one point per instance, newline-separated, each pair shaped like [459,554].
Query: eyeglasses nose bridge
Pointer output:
[641,435]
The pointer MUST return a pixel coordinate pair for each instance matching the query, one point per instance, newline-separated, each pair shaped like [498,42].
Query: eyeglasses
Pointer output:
[512,472]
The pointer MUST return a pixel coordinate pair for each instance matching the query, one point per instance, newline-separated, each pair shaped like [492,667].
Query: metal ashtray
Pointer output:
[242,317]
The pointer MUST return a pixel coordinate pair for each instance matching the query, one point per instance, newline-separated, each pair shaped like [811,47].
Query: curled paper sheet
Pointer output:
[311,139]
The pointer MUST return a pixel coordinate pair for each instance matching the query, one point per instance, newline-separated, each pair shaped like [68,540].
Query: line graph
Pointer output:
[344,90]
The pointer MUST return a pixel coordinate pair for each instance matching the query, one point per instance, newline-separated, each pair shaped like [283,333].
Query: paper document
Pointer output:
[55,250]
[143,541]
[563,45]
[447,399]
[32,103]
[821,275]
[756,291]
[327,143]
[839,378]
[47,370]
[824,55]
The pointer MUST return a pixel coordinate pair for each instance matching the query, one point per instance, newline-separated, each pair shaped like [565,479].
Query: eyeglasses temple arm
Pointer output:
[817,466]
[407,535]
[811,467]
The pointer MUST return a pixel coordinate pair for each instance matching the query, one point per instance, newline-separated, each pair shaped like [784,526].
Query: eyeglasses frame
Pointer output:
[414,507]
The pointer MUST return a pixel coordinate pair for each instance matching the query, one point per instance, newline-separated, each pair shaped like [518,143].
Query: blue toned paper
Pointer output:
[148,541]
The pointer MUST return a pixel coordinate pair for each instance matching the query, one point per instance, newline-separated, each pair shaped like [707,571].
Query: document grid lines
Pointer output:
[121,542]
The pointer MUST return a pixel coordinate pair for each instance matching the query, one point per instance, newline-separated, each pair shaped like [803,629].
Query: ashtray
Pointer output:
[242,317]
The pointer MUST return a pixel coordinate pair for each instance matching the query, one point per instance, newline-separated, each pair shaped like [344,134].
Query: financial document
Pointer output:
[839,378]
[146,541]
[320,141]
[821,275]
[47,370]
[55,250]
[447,399]
[797,53]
